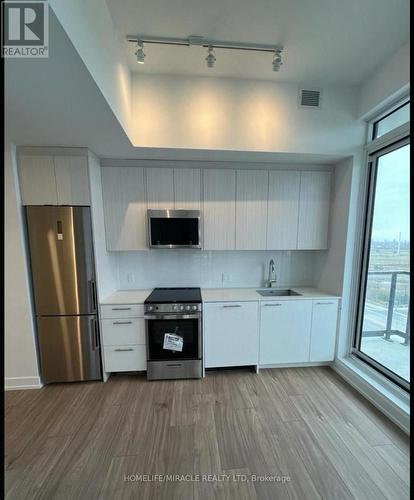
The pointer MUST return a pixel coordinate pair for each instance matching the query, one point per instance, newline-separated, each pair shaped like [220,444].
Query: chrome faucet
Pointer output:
[272,279]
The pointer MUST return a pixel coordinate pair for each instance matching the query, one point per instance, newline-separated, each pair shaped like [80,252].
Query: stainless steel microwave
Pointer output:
[174,228]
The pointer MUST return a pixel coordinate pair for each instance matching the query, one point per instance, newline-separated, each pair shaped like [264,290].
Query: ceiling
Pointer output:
[56,102]
[327,42]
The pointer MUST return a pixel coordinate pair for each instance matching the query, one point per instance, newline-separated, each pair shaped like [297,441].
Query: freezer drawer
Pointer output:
[69,348]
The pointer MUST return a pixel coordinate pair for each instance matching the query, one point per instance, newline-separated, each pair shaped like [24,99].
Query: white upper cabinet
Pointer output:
[125,206]
[37,180]
[283,210]
[54,180]
[314,201]
[160,187]
[251,209]
[72,180]
[219,209]
[187,188]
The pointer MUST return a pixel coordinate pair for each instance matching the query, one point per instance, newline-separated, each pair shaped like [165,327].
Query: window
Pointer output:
[391,120]
[383,333]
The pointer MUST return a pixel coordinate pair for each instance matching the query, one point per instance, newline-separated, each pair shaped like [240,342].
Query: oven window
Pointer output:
[174,231]
[185,328]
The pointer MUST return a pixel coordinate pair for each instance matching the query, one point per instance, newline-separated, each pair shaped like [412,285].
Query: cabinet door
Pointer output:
[283,210]
[187,188]
[285,331]
[314,198]
[72,180]
[124,202]
[219,213]
[323,334]
[230,334]
[251,209]
[160,188]
[37,180]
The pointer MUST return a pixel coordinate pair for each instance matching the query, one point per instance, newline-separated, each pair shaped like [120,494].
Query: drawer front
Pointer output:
[122,311]
[123,331]
[125,358]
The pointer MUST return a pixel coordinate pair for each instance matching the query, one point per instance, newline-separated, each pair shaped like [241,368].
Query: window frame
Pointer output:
[372,124]
[366,235]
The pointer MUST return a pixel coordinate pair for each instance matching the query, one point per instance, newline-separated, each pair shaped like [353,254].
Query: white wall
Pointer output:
[90,28]
[231,114]
[388,83]
[148,269]
[21,369]
[106,263]
[330,263]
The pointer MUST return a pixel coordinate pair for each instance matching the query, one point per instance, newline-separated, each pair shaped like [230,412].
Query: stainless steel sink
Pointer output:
[276,292]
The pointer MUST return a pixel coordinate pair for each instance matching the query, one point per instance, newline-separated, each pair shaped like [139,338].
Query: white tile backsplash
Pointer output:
[206,268]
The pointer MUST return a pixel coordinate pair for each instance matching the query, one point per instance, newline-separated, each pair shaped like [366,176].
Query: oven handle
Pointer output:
[173,316]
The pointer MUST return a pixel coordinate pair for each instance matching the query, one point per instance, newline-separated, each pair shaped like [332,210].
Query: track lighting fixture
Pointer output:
[211,58]
[195,40]
[139,52]
[277,60]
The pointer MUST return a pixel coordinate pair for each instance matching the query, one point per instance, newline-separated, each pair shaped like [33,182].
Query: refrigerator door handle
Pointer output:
[95,333]
[92,288]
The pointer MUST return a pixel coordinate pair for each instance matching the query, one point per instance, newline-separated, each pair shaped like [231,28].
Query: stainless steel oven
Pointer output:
[174,335]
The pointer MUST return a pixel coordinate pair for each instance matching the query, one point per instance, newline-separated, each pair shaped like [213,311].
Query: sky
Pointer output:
[392,200]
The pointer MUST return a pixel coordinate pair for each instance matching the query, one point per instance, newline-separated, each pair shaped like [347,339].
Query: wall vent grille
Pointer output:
[309,98]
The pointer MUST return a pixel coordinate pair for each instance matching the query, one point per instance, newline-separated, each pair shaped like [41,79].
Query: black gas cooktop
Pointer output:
[174,296]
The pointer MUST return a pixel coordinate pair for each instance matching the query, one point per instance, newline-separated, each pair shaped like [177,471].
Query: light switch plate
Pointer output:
[226,277]
[131,278]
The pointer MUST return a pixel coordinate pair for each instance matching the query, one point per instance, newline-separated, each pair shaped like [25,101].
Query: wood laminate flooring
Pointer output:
[305,431]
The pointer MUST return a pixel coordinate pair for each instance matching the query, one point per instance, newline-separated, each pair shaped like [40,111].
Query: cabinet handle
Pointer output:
[123,350]
[122,322]
[121,308]
[324,303]
[272,305]
[234,305]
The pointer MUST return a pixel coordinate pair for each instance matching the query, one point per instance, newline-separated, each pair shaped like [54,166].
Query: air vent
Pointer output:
[309,98]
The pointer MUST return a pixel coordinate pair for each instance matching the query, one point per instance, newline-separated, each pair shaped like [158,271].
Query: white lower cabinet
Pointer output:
[323,334]
[285,330]
[125,358]
[124,331]
[230,334]
[123,337]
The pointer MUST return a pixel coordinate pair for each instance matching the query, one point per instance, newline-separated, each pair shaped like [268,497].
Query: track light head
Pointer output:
[139,52]
[277,60]
[211,58]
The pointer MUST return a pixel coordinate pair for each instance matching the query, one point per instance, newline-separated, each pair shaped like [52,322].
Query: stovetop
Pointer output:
[174,296]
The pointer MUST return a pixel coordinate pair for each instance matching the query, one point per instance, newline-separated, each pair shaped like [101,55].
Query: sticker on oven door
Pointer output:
[173,342]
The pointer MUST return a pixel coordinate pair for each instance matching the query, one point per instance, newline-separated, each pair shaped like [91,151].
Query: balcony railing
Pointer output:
[390,307]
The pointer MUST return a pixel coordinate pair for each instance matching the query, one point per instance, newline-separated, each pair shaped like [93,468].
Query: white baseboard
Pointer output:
[295,365]
[20,383]
[396,409]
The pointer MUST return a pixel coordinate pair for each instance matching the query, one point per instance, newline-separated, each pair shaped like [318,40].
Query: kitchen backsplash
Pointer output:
[214,269]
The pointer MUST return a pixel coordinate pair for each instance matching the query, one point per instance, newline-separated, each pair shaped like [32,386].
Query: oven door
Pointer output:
[188,327]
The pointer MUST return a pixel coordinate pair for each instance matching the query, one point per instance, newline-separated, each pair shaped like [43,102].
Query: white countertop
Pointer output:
[250,294]
[126,297]
[220,295]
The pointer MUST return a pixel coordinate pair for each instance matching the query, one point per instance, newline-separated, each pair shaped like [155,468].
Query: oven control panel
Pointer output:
[173,308]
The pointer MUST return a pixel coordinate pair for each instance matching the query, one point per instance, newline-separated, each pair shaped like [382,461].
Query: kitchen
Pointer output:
[191,290]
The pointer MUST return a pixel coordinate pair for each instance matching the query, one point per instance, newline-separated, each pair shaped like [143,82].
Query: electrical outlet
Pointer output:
[226,277]
[131,278]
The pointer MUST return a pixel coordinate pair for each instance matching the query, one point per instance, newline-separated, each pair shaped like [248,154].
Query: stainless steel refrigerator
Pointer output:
[63,277]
